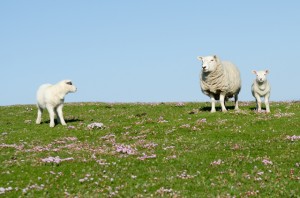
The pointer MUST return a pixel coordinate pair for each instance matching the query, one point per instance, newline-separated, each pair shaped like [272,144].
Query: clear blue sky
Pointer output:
[144,51]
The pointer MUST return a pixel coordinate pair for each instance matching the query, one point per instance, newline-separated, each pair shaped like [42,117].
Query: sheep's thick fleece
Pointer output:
[219,80]
[225,78]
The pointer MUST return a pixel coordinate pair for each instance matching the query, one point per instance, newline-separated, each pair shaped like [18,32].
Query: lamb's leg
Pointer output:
[236,98]
[60,114]
[213,103]
[267,103]
[222,100]
[51,115]
[258,102]
[39,116]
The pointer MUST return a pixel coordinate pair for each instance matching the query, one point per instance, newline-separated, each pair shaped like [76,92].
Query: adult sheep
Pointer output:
[261,88]
[52,98]
[220,80]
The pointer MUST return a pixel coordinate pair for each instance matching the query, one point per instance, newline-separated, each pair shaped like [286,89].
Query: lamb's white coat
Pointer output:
[219,80]
[52,98]
[261,88]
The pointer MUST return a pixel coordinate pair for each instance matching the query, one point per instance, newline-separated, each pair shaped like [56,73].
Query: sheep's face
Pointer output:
[261,76]
[209,63]
[68,86]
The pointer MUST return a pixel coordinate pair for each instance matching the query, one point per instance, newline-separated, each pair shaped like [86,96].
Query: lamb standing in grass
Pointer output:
[261,88]
[52,98]
[219,80]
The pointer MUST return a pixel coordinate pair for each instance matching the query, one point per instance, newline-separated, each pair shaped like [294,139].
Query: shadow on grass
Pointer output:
[208,108]
[68,120]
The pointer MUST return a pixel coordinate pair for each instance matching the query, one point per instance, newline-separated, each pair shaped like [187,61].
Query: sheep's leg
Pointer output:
[267,103]
[39,116]
[236,102]
[52,115]
[213,103]
[258,102]
[222,100]
[60,115]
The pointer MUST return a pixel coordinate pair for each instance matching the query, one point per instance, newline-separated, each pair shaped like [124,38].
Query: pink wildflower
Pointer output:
[184,175]
[185,126]
[168,147]
[267,162]
[179,104]
[3,190]
[147,156]
[162,120]
[56,159]
[71,127]
[216,163]
[293,138]
[200,121]
[150,145]
[27,121]
[260,173]
[95,125]
[125,149]
[163,190]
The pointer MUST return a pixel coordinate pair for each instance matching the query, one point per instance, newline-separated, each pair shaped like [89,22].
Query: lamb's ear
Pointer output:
[267,71]
[200,58]
[254,72]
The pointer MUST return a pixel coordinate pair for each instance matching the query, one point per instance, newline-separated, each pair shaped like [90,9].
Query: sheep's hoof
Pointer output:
[213,111]
[52,125]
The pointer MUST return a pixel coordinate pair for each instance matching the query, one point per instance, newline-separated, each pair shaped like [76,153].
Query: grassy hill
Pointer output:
[151,150]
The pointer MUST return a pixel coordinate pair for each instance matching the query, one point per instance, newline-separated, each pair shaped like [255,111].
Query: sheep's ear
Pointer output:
[254,72]
[200,58]
[267,71]
[216,58]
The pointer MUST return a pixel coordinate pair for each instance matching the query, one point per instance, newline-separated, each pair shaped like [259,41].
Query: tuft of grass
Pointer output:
[158,150]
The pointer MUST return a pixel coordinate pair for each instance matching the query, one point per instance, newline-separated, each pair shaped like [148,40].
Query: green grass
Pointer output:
[192,152]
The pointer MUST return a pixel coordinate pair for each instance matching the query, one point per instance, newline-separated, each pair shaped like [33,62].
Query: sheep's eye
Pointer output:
[69,83]
[212,60]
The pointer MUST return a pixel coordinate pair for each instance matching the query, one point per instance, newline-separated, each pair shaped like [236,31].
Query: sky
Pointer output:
[144,51]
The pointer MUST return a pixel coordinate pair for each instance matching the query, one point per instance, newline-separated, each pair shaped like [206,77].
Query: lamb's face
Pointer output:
[261,76]
[209,63]
[68,86]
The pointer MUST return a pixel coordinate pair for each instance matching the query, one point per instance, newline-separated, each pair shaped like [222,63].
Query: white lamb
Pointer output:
[261,88]
[52,98]
[219,80]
